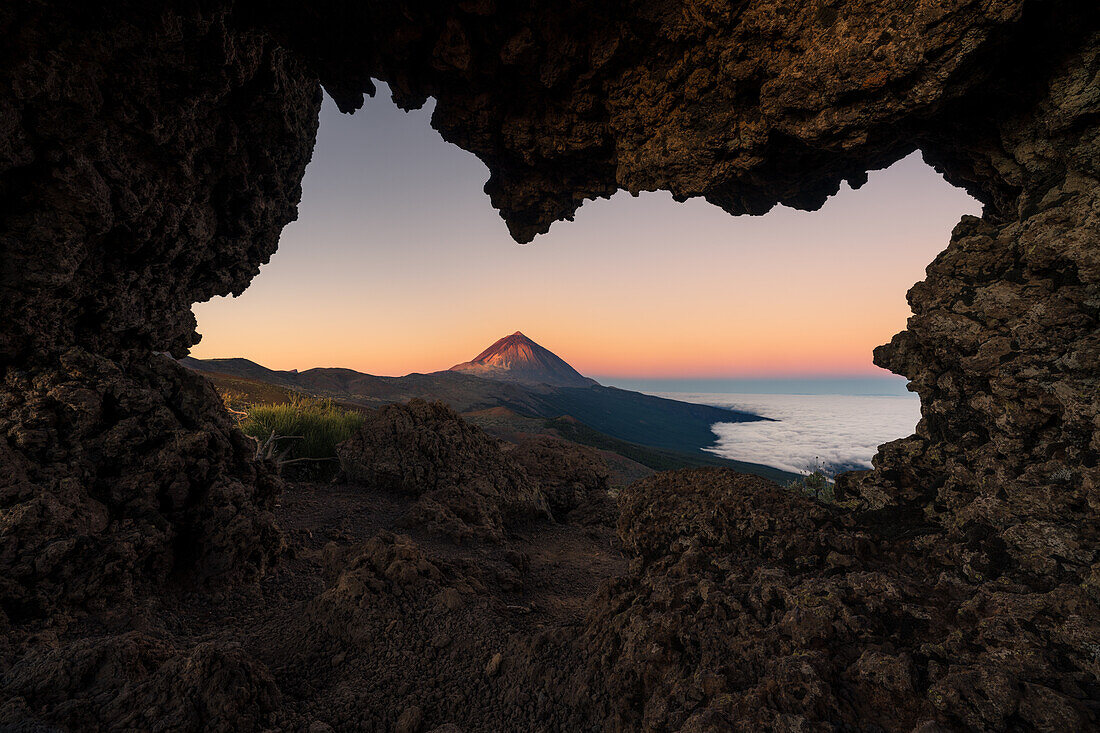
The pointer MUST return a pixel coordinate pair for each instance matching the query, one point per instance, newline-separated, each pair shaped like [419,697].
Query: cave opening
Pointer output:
[156,573]
[397,264]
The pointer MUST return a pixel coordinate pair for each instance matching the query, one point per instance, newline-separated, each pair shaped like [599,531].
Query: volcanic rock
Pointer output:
[379,608]
[733,616]
[136,682]
[181,495]
[148,159]
[466,485]
[150,154]
[568,474]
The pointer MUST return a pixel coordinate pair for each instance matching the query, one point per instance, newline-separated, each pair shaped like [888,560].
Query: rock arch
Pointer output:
[149,157]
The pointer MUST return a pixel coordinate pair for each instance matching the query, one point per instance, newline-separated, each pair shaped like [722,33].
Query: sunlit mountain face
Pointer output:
[517,358]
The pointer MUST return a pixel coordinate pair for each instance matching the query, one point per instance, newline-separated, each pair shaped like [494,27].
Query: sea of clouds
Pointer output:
[833,432]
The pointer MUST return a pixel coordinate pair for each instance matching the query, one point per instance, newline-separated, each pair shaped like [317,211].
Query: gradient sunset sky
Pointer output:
[398,264]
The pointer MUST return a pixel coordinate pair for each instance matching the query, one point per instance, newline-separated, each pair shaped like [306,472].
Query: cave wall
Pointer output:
[150,154]
[750,104]
[1004,348]
[149,158]
[747,104]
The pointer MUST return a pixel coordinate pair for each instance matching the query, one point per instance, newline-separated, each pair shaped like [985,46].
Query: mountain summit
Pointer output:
[517,358]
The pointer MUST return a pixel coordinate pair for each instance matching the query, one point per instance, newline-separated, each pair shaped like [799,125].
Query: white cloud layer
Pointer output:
[836,432]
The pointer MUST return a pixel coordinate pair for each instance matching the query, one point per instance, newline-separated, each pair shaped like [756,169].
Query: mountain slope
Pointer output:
[517,358]
[239,367]
[631,417]
[639,418]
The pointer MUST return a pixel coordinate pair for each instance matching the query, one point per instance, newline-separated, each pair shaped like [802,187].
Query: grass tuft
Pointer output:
[311,427]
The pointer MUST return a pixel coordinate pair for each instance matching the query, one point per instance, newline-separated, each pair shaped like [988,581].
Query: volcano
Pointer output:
[517,358]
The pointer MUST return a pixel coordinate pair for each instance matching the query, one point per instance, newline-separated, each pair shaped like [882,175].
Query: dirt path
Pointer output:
[359,661]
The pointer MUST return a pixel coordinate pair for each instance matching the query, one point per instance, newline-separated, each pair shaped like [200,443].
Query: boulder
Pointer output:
[465,484]
[569,474]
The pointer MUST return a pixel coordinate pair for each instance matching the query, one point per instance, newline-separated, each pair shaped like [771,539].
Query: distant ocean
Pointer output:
[833,423]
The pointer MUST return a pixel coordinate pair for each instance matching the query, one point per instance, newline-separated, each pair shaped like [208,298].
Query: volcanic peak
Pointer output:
[517,358]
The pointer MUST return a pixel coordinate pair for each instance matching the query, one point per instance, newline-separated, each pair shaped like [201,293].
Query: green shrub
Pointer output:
[816,484]
[303,428]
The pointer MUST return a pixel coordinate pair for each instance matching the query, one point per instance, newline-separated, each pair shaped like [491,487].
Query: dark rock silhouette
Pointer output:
[465,484]
[151,153]
[568,474]
[126,199]
[751,608]
[179,495]
[137,682]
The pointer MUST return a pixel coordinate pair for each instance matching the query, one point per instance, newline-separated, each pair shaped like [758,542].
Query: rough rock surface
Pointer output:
[134,682]
[745,607]
[1004,348]
[568,474]
[441,626]
[151,153]
[749,607]
[117,477]
[744,103]
[149,157]
[465,483]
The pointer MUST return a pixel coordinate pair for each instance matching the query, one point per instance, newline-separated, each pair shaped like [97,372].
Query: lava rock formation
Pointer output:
[150,154]
[465,484]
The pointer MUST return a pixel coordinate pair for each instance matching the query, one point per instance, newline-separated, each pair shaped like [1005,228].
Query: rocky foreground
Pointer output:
[150,156]
[456,583]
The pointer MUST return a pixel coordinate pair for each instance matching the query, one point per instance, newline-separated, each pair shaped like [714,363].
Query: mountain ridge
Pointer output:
[630,417]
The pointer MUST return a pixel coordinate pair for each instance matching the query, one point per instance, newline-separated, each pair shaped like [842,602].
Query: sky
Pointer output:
[398,263]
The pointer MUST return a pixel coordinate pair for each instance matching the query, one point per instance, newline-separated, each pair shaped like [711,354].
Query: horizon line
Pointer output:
[879,373]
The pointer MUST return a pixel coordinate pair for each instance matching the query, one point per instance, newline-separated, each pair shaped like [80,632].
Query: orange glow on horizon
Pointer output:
[398,264]
[624,353]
